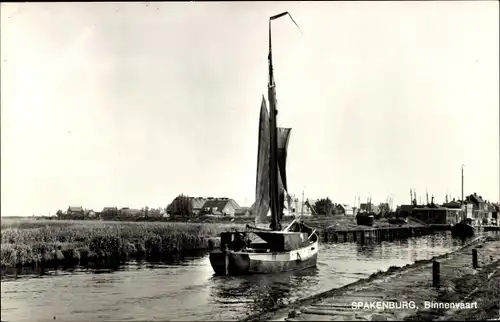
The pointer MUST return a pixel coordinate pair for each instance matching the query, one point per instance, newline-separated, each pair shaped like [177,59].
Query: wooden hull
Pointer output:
[242,263]
[365,220]
[462,230]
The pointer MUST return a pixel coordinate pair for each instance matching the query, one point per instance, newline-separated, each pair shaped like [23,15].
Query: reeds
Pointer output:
[26,243]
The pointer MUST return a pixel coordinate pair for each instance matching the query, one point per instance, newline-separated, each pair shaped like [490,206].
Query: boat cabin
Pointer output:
[268,241]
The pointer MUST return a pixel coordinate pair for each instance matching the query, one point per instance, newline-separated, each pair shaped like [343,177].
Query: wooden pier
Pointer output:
[363,235]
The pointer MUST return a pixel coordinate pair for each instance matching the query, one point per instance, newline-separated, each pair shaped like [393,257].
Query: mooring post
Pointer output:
[435,273]
[474,258]
[226,260]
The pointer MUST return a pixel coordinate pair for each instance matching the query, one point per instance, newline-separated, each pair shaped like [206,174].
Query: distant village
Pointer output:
[480,211]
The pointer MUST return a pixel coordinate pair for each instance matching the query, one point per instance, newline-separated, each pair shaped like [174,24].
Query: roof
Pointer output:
[419,209]
[493,208]
[452,204]
[110,209]
[311,203]
[344,206]
[75,209]
[128,211]
[197,202]
[220,203]
[475,198]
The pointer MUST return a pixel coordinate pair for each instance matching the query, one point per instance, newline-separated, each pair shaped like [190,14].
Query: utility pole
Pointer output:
[463,165]
[302,209]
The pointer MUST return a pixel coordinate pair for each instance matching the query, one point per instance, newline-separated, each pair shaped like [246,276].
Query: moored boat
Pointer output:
[463,229]
[365,219]
[398,221]
[292,249]
[278,250]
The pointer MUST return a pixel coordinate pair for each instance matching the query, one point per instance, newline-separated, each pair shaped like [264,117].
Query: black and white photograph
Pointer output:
[250,161]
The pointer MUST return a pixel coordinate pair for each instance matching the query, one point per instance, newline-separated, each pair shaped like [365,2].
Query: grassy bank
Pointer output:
[34,242]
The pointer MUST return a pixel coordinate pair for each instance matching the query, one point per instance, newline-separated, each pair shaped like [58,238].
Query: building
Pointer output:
[344,210]
[110,213]
[404,211]
[243,212]
[306,208]
[220,207]
[127,212]
[154,213]
[196,205]
[480,213]
[75,212]
[495,220]
[491,215]
[310,207]
[90,214]
[436,216]
[453,204]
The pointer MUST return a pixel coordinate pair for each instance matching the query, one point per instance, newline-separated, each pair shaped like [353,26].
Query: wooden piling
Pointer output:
[345,237]
[354,236]
[474,258]
[435,273]
[362,237]
[226,262]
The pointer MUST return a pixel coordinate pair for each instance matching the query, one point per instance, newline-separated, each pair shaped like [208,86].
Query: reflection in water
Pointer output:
[254,292]
[366,250]
[186,288]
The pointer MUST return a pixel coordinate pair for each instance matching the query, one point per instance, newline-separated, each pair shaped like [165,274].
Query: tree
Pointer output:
[182,206]
[324,206]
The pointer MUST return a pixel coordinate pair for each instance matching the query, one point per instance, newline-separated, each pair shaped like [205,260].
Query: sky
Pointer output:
[131,104]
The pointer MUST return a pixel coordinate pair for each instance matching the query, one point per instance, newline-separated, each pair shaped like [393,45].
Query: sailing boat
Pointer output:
[279,250]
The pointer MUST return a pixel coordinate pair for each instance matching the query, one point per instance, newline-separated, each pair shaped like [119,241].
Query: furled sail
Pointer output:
[262,192]
[283,139]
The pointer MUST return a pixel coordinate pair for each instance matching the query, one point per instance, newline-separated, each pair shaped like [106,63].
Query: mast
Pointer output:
[271,92]
[274,175]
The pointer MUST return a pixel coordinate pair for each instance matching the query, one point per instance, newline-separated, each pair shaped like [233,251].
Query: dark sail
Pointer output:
[283,138]
[262,193]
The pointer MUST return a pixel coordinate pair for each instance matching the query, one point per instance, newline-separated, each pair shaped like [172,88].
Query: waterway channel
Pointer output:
[187,290]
